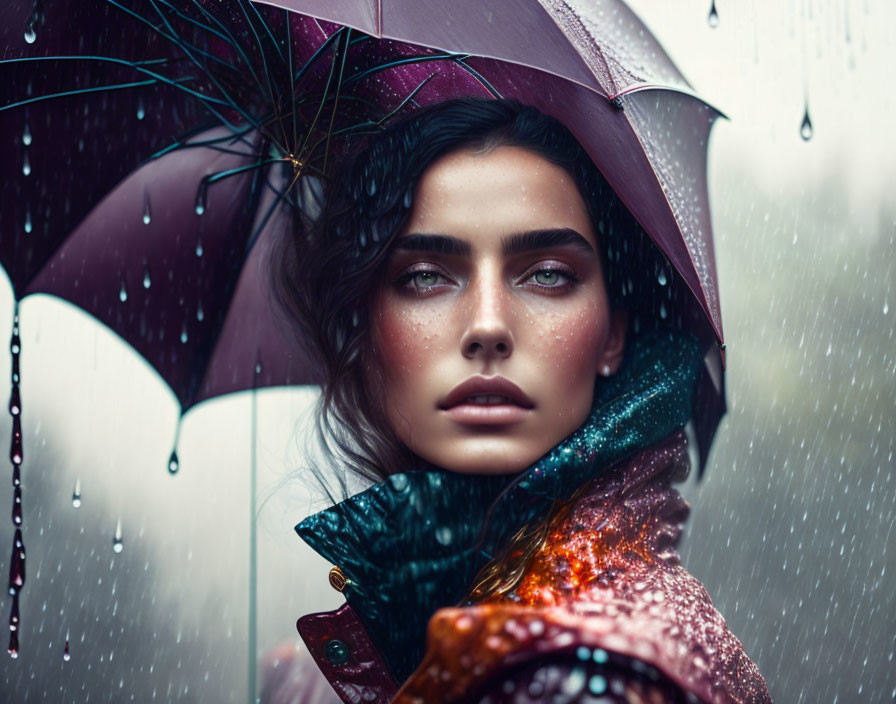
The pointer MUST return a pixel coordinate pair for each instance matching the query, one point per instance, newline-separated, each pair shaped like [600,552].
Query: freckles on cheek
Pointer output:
[405,339]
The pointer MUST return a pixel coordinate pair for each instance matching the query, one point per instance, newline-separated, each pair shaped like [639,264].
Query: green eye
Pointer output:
[426,278]
[547,277]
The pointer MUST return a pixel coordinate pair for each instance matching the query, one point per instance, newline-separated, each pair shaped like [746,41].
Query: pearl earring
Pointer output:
[605,370]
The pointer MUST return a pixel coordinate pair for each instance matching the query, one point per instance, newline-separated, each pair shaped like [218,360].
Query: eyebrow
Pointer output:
[516,243]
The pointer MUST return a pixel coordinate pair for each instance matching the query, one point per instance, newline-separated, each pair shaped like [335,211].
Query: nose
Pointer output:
[487,332]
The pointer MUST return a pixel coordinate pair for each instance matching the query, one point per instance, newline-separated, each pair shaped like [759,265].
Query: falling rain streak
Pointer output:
[806,130]
[16,455]
[66,655]
[147,214]
[201,196]
[173,463]
[76,494]
[713,17]
[117,543]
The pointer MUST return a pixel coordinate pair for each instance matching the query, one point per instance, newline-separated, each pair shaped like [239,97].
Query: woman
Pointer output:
[502,352]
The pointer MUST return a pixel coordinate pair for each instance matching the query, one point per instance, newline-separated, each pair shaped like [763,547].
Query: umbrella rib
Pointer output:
[235,106]
[292,85]
[230,39]
[478,76]
[264,62]
[205,99]
[345,44]
[267,29]
[320,107]
[401,62]
[317,52]
[207,28]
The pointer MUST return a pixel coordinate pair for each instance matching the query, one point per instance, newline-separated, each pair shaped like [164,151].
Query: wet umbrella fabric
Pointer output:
[114,205]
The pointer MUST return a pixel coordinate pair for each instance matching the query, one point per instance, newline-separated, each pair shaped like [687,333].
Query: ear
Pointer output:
[611,356]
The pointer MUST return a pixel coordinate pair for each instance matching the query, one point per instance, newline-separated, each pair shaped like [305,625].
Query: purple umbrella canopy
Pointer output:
[155,149]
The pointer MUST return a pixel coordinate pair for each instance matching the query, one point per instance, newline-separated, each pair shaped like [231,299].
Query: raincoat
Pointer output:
[577,590]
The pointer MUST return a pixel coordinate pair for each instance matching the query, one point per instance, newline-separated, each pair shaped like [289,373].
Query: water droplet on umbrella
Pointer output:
[28,226]
[141,112]
[201,196]
[200,314]
[147,215]
[17,506]
[713,18]
[17,564]
[76,494]
[15,401]
[66,655]
[123,293]
[173,463]
[15,446]
[26,165]
[30,32]
[183,334]
[117,544]
[199,247]
[806,130]
[14,616]
[147,282]
[26,135]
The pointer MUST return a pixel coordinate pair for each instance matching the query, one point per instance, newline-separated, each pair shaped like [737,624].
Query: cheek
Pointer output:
[405,339]
[573,340]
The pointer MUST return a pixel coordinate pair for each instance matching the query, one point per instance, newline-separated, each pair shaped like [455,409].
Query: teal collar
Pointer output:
[413,544]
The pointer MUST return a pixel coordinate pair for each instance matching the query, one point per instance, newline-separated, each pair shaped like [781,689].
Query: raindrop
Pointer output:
[198,248]
[173,463]
[14,616]
[408,198]
[66,656]
[17,564]
[147,282]
[17,506]
[117,545]
[371,187]
[183,335]
[141,112]
[663,312]
[201,196]
[15,401]
[200,314]
[26,135]
[26,165]
[28,226]
[14,644]
[147,215]
[713,18]
[76,494]
[399,482]
[806,130]
[886,307]
[597,684]
[661,277]
[123,292]
[30,32]
[443,535]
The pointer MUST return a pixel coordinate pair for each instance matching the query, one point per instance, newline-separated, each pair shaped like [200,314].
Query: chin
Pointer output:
[486,457]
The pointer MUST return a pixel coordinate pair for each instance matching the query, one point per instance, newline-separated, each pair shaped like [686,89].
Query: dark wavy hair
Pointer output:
[326,271]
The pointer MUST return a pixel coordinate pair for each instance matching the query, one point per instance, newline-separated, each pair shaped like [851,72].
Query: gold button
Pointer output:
[337,579]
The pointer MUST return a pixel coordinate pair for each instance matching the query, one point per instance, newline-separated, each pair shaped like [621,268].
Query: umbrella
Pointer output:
[158,147]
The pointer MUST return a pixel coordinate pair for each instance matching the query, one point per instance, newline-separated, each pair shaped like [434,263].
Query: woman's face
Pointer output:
[492,321]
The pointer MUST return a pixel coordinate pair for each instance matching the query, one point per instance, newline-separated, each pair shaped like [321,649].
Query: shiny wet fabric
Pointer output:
[604,586]
[414,543]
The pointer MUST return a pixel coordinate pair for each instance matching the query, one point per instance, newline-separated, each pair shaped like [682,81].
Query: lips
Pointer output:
[486,391]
